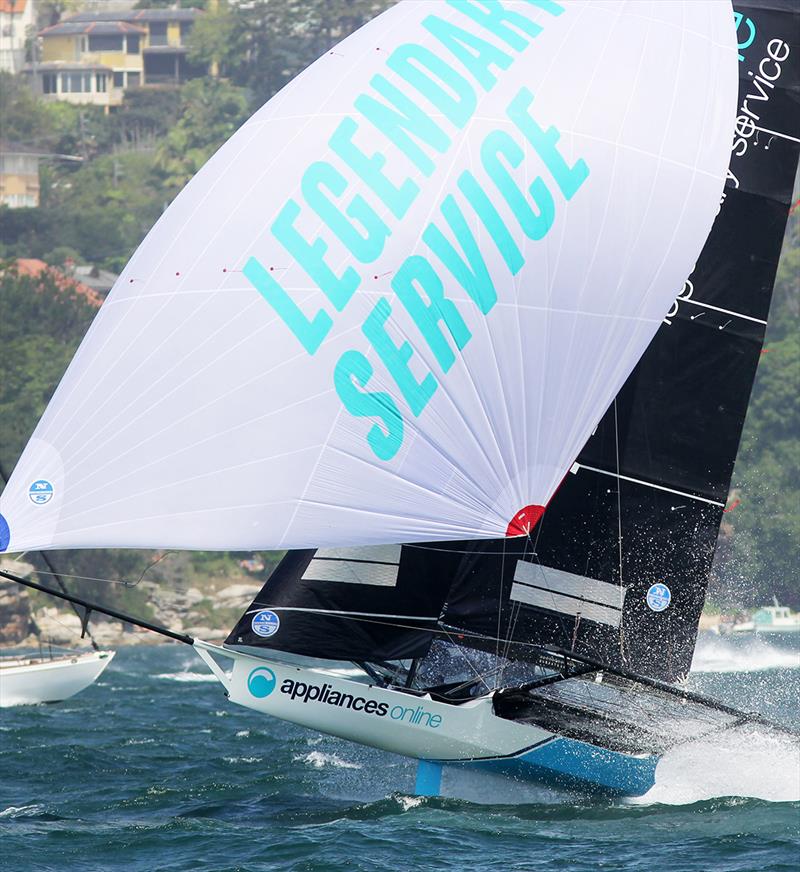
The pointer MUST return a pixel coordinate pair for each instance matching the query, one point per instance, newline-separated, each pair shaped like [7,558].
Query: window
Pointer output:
[101,82]
[133,44]
[105,42]
[49,83]
[186,29]
[72,83]
[119,79]
[87,83]
[134,80]
[158,33]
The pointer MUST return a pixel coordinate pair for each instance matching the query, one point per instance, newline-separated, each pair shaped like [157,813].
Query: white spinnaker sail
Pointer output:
[394,305]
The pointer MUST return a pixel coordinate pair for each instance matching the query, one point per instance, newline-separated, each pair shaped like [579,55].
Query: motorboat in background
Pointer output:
[774,620]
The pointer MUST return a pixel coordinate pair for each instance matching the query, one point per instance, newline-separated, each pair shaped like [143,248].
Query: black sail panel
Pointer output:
[367,603]
[641,510]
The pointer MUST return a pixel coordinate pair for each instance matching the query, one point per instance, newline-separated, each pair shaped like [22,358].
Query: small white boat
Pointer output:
[34,680]
[770,620]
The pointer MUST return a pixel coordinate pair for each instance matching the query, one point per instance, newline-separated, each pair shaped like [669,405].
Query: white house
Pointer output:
[17,23]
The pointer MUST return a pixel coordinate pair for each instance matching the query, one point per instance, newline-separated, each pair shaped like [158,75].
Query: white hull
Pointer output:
[418,726]
[31,681]
[790,628]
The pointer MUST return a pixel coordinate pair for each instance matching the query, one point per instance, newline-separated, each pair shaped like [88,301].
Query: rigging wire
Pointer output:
[619,538]
[121,581]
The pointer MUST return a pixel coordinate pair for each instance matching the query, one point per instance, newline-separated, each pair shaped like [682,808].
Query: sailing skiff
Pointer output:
[426,296]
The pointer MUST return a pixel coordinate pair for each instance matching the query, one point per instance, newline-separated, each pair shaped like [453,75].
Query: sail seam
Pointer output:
[652,484]
[724,311]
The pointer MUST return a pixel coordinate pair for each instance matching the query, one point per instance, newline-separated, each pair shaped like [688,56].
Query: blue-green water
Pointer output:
[152,769]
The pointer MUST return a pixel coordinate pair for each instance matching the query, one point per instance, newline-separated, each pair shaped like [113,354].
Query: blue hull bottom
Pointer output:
[558,762]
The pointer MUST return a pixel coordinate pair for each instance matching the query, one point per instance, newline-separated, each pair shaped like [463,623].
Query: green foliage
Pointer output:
[146,115]
[263,45]
[41,324]
[54,127]
[766,526]
[101,211]
[211,111]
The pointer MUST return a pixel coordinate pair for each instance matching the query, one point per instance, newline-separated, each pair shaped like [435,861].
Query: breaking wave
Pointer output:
[320,760]
[186,676]
[721,654]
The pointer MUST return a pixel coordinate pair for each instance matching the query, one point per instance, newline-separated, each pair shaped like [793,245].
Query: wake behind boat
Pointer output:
[33,680]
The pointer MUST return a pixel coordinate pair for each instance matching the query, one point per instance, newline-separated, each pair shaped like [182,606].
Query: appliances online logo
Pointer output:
[262,682]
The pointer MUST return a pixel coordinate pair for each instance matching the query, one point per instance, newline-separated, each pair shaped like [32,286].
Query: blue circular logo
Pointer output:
[261,682]
[658,597]
[40,492]
[265,623]
[5,533]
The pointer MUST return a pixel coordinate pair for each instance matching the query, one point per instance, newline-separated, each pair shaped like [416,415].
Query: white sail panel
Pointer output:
[394,305]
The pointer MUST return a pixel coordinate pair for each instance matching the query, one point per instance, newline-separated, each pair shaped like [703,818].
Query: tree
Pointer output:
[211,111]
[761,559]
[262,45]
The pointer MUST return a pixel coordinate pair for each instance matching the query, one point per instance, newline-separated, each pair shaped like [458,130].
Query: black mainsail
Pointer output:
[642,508]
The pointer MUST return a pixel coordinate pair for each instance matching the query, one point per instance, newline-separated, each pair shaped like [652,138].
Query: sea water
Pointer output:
[153,769]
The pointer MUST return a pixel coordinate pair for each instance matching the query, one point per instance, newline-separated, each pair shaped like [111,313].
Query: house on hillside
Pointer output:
[31,266]
[114,50]
[99,280]
[19,176]
[17,24]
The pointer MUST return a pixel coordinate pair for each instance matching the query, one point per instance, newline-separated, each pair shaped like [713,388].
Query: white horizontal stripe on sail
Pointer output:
[558,580]
[375,565]
[567,605]
[371,553]
[544,587]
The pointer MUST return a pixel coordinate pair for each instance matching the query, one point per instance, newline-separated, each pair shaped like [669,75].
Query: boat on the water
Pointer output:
[426,296]
[32,680]
[774,620]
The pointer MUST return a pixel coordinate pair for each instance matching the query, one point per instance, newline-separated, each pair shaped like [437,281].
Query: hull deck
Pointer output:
[568,735]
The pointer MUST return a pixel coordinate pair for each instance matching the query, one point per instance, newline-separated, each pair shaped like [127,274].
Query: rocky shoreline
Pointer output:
[209,615]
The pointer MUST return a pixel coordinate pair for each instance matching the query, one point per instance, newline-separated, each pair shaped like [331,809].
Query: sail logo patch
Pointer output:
[265,623]
[40,492]
[658,597]
[261,682]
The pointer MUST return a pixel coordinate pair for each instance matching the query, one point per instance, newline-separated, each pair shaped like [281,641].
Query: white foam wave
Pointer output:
[186,676]
[320,760]
[720,654]
[15,811]
[749,761]
[409,802]
[243,734]
[242,759]
[140,742]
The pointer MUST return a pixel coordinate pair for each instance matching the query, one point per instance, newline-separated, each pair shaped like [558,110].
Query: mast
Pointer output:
[640,511]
